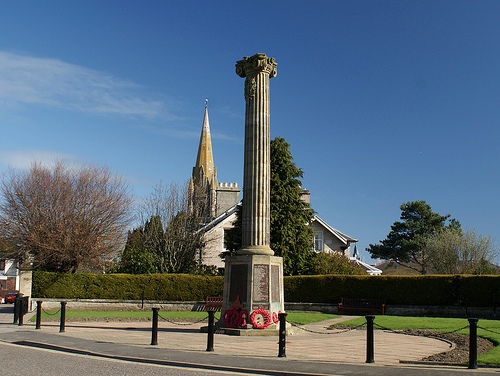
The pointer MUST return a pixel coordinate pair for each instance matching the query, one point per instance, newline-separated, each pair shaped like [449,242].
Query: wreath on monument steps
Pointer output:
[260,319]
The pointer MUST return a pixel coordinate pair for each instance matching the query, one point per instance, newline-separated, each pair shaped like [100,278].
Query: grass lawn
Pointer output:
[303,318]
[489,329]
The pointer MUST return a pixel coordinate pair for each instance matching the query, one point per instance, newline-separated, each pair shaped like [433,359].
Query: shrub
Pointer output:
[334,263]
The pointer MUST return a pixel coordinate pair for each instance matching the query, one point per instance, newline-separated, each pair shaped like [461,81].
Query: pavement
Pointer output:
[313,350]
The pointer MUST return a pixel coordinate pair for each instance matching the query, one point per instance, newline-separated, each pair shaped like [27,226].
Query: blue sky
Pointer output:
[383,102]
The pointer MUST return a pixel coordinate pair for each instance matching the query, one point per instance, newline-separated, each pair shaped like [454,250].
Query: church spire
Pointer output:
[208,198]
[204,170]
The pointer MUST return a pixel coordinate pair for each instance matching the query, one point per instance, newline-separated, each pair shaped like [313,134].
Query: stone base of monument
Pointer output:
[253,295]
[253,282]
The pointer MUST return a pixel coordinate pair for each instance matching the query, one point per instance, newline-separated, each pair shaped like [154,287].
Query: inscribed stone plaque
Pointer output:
[238,284]
[261,283]
[275,284]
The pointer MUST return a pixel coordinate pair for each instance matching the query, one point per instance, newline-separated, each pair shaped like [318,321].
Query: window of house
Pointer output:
[318,241]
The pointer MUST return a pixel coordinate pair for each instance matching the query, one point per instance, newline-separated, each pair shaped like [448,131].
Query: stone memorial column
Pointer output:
[257,71]
[253,279]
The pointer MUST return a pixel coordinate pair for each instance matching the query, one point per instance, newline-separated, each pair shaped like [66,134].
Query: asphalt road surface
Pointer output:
[21,361]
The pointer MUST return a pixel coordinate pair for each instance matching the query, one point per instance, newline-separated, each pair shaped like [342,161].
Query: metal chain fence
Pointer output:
[172,321]
[488,330]
[296,325]
[51,314]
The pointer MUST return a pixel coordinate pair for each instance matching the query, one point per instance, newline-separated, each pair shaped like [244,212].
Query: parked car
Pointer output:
[10,297]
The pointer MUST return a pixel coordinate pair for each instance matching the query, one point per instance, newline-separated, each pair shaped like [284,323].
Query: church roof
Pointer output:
[220,218]
[205,167]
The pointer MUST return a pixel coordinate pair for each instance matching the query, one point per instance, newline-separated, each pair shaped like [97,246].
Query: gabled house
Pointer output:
[328,239]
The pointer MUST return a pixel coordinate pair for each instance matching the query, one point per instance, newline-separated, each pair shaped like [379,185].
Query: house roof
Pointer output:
[346,239]
[370,269]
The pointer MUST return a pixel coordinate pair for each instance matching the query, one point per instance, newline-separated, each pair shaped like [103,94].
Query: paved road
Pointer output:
[21,361]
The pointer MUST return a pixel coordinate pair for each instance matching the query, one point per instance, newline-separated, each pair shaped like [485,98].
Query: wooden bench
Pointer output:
[366,306]
[213,303]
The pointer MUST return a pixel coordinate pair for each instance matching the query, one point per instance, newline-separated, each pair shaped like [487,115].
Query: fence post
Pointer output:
[210,338]
[154,328]
[369,339]
[21,315]
[282,335]
[38,314]
[16,310]
[62,323]
[473,343]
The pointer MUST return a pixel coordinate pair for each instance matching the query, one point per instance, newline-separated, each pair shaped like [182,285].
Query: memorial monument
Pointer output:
[253,279]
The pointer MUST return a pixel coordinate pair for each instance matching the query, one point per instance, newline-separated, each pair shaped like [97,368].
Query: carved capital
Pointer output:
[258,63]
[250,87]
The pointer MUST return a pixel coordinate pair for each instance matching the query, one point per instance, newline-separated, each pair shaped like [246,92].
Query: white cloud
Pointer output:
[28,80]
[22,159]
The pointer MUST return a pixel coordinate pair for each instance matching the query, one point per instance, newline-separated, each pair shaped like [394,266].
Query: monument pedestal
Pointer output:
[254,282]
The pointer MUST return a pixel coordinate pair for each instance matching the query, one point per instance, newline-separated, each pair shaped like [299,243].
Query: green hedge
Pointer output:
[170,287]
[460,290]
[397,290]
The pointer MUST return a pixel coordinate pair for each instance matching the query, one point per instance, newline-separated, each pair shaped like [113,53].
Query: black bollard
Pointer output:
[154,328]
[62,323]
[21,312]
[369,339]
[16,310]
[211,329]
[17,307]
[282,335]
[38,314]
[473,343]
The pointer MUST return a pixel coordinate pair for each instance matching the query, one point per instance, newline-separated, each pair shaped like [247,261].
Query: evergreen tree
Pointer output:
[291,237]
[405,243]
[136,257]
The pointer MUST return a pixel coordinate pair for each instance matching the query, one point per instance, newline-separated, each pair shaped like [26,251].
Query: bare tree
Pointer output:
[64,218]
[452,251]
[165,202]
[171,227]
